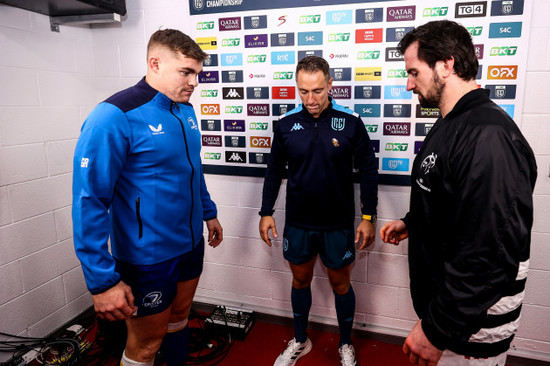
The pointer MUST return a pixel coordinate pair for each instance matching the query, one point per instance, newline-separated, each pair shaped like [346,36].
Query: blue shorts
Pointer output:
[155,286]
[335,247]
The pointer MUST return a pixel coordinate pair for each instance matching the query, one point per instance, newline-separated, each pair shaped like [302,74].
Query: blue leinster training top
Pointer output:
[137,179]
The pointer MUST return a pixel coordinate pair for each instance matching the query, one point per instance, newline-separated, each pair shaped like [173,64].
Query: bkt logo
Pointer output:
[283,58]
[210,108]
[232,59]
[502,72]
[338,37]
[397,74]
[400,165]
[310,19]
[260,141]
[471,9]
[233,109]
[503,51]
[256,59]
[231,42]
[367,110]
[393,54]
[213,93]
[283,75]
[397,92]
[475,31]
[368,55]
[371,128]
[435,12]
[258,126]
[396,146]
[505,30]
[205,25]
[212,156]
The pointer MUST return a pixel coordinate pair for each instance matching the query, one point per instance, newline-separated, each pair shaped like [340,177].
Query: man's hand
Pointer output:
[267,223]
[117,303]
[215,232]
[367,231]
[419,349]
[393,232]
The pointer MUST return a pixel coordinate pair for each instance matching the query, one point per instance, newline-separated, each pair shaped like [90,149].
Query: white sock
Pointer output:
[127,362]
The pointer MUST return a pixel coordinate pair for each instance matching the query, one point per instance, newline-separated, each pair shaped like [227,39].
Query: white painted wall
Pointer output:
[50,81]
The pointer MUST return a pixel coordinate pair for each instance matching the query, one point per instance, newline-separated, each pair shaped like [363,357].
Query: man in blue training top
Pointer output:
[321,142]
[138,179]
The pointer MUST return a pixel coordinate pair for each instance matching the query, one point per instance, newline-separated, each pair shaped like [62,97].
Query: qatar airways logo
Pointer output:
[401,13]
[212,140]
[257,109]
[227,24]
[400,129]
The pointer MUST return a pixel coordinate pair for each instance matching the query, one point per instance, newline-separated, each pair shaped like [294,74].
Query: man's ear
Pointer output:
[447,67]
[153,63]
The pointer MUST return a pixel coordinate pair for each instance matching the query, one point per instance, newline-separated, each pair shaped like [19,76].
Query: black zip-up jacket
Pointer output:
[469,228]
[320,153]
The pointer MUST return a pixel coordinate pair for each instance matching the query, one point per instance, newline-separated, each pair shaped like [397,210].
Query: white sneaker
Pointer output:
[347,355]
[293,352]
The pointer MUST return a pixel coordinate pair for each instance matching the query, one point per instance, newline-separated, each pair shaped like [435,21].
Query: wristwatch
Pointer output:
[371,218]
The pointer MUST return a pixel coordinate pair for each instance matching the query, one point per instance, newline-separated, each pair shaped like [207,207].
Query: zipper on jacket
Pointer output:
[138,214]
[316,134]
[192,172]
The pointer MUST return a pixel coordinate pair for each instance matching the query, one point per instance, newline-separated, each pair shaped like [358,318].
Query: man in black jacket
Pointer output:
[471,209]
[320,141]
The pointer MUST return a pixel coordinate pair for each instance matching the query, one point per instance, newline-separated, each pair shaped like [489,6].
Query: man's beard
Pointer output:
[433,97]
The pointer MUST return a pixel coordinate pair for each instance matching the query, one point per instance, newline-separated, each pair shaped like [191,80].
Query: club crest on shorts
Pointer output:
[152,299]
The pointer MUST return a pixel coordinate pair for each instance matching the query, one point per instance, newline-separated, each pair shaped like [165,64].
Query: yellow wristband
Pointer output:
[371,218]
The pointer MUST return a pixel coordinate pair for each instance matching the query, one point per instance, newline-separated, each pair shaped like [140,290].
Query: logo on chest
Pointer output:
[338,124]
[156,130]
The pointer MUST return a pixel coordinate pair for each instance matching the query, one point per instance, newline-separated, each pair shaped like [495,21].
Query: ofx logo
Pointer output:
[210,109]
[368,35]
[471,9]
[260,142]
[508,72]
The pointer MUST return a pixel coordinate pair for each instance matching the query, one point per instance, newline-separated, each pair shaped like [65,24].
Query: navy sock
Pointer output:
[301,303]
[345,311]
[174,344]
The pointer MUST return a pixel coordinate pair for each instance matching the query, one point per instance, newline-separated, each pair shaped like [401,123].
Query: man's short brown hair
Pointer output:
[177,42]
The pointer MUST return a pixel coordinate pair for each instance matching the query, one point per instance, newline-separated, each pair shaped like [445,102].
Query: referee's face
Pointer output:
[313,88]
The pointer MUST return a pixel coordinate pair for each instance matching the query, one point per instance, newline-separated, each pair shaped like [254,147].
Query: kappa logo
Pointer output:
[235,157]
[428,163]
[157,130]
[233,94]
[347,255]
[152,299]
[297,126]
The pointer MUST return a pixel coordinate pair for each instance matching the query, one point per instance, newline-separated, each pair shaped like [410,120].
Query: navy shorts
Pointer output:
[335,247]
[155,286]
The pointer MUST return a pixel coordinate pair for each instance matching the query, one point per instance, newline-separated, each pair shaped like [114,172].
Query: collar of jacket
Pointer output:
[151,93]
[470,100]
[323,114]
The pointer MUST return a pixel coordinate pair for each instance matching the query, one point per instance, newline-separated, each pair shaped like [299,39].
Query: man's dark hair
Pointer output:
[441,40]
[177,42]
[311,64]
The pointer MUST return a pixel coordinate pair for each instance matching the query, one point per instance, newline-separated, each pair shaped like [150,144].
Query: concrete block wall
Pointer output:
[49,82]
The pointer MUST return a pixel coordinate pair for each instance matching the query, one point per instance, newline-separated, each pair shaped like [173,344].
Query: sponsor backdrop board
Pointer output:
[254,45]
